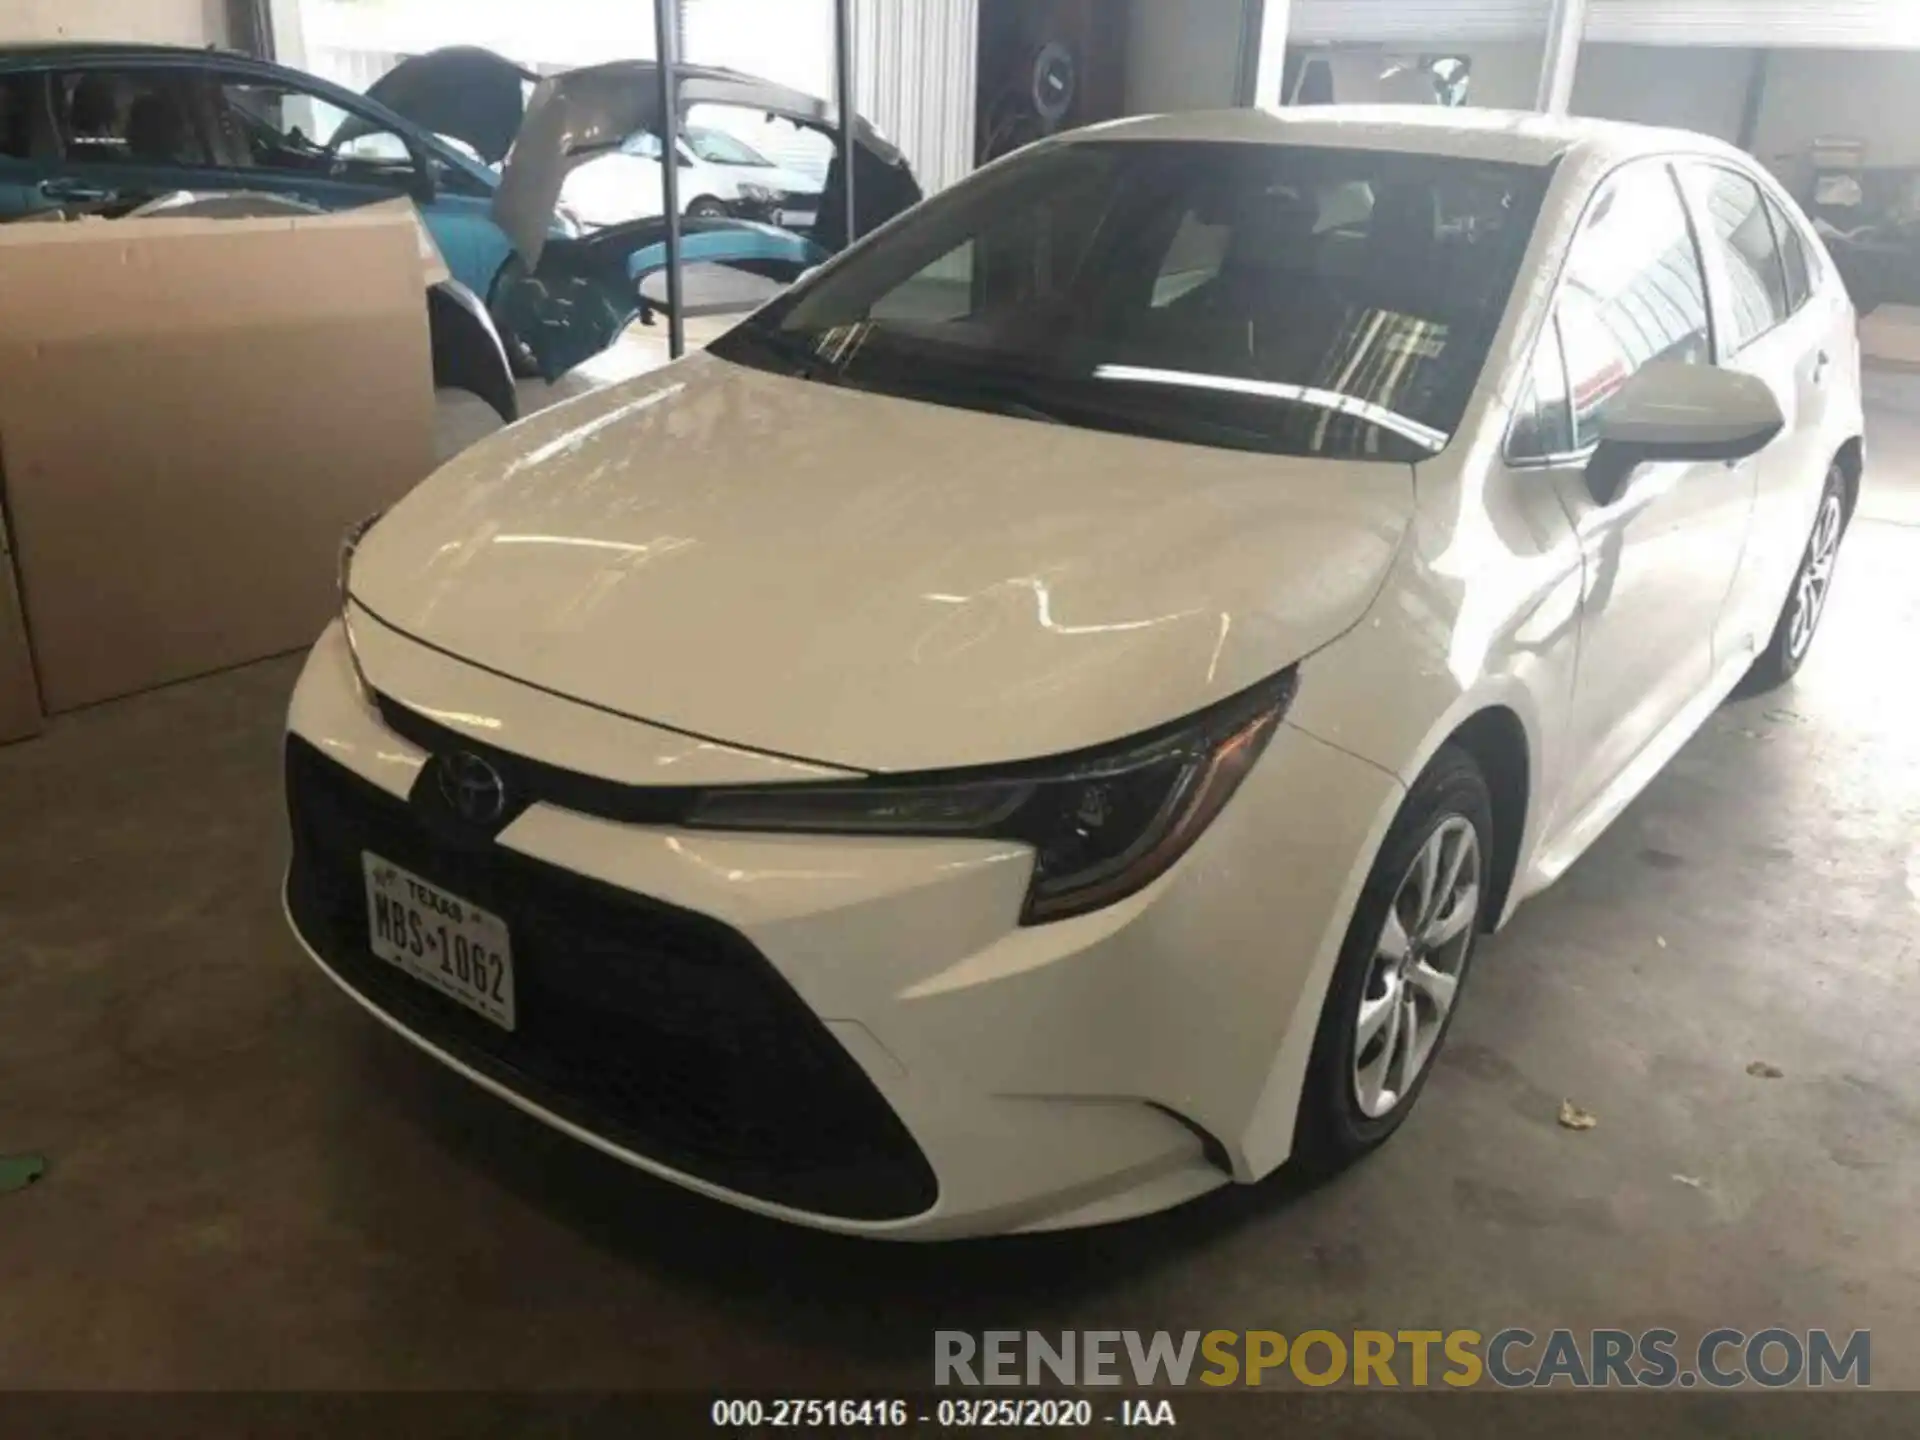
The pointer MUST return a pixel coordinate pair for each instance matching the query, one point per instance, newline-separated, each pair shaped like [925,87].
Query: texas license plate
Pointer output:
[440,939]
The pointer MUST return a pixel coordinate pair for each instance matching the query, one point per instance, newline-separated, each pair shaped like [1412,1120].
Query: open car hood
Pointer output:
[583,113]
[463,92]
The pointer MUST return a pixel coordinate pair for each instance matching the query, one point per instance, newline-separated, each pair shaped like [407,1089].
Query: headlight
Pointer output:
[758,194]
[1103,823]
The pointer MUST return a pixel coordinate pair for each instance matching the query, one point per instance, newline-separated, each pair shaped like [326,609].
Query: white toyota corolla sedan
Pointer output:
[1029,726]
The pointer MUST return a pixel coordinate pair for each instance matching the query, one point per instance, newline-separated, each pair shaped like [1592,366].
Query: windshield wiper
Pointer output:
[797,352]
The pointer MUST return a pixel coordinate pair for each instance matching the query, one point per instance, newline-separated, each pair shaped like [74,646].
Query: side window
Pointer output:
[1793,253]
[18,94]
[1737,223]
[122,117]
[275,127]
[1543,420]
[1633,292]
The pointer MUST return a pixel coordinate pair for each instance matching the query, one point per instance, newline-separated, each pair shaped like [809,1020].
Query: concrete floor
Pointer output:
[252,1185]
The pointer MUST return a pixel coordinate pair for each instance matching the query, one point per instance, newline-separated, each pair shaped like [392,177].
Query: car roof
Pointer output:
[44,50]
[1517,136]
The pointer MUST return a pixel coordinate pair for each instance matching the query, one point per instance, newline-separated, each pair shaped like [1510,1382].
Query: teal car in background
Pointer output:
[105,128]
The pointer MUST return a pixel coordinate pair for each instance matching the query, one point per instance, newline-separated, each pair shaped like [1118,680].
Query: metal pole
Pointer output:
[667,48]
[1564,26]
[843,98]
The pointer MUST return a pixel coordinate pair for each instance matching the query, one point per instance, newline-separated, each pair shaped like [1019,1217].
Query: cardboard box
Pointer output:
[191,412]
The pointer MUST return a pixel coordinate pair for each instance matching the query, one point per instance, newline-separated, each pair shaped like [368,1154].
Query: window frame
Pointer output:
[1778,216]
[1549,327]
[1720,280]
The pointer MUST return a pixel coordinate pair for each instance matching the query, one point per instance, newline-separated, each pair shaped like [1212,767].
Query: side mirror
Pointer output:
[1671,411]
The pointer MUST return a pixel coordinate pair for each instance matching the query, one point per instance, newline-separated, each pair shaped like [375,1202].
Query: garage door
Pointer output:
[1830,24]
[1417,21]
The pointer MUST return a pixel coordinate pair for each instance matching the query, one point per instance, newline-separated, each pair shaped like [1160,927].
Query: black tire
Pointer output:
[1788,648]
[706,208]
[1333,1129]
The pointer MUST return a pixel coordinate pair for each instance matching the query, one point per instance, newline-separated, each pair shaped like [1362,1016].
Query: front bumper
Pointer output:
[852,1033]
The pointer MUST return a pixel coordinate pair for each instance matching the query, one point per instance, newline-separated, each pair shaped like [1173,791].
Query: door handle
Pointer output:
[79,191]
[1820,364]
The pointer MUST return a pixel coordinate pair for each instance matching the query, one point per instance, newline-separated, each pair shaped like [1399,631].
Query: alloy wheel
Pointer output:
[1815,578]
[1417,963]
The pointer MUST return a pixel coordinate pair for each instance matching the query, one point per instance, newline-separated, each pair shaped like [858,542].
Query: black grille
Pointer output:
[664,1031]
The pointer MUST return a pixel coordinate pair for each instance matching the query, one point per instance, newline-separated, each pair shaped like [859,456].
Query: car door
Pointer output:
[1660,557]
[319,146]
[1770,328]
[111,134]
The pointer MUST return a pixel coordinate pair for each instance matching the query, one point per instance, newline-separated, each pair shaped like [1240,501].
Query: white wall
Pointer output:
[1183,54]
[913,78]
[1700,88]
[1506,73]
[168,22]
[1854,94]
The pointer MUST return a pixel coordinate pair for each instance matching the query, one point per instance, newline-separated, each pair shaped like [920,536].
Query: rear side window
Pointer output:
[17,95]
[129,117]
[1634,292]
[1793,253]
[1739,226]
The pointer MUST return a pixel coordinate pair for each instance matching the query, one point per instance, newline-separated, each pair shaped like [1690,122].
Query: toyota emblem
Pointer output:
[472,788]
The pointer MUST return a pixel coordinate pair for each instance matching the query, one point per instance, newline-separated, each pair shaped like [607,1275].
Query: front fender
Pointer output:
[467,353]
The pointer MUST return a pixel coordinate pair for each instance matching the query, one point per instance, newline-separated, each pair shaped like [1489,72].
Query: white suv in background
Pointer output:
[719,175]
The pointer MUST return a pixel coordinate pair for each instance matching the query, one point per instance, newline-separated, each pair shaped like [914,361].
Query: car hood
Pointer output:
[875,583]
[577,115]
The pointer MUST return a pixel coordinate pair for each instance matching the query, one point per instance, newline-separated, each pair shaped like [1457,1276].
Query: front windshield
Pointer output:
[1278,298]
[717,147]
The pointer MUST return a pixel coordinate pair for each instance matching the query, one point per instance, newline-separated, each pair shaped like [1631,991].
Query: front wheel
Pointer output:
[706,208]
[1807,602]
[1402,967]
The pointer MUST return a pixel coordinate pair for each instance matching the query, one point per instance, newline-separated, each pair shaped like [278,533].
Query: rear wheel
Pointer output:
[1807,602]
[1402,967]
